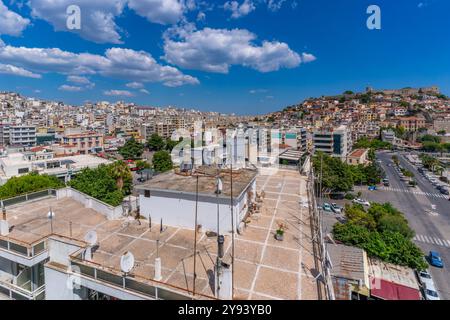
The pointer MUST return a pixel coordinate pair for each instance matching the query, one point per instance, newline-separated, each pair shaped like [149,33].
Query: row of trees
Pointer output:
[107,183]
[31,182]
[383,232]
[431,163]
[338,176]
[376,144]
[162,162]
[157,143]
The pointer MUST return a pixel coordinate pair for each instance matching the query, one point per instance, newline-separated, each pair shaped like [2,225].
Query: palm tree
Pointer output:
[120,171]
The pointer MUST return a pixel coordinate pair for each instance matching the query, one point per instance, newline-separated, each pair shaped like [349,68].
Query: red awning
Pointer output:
[392,291]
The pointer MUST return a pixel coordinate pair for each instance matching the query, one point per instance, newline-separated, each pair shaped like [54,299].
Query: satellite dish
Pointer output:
[91,237]
[127,262]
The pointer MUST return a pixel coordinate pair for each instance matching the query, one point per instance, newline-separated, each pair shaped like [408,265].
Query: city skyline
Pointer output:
[180,54]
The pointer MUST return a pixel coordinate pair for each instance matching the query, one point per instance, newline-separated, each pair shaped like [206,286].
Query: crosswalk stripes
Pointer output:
[432,240]
[421,193]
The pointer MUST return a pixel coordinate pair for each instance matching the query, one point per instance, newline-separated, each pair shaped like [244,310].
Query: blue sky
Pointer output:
[243,56]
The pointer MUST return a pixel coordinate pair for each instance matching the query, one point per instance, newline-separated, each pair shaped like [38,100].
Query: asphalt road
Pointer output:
[432,226]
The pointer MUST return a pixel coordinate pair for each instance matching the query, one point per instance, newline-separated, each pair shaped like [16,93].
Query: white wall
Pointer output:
[56,287]
[180,211]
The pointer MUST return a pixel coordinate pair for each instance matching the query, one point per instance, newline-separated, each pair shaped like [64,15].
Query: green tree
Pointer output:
[100,184]
[170,144]
[131,150]
[31,182]
[395,160]
[142,164]
[120,171]
[162,161]
[156,143]
[430,138]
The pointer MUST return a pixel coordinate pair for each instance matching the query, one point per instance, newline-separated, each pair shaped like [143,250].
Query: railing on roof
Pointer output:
[147,287]
[24,249]
[27,197]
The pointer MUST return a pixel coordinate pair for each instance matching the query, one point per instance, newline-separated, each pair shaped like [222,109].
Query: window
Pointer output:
[23,170]
[147,193]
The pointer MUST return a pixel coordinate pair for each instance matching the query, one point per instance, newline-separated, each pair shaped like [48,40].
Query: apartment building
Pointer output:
[164,128]
[412,123]
[17,135]
[336,142]
[86,142]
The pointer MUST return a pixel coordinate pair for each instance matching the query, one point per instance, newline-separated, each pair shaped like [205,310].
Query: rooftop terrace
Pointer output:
[184,183]
[264,267]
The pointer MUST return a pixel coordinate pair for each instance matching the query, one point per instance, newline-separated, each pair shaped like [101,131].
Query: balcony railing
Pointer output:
[146,287]
[20,293]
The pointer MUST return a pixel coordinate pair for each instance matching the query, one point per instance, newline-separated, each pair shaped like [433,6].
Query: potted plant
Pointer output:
[279,234]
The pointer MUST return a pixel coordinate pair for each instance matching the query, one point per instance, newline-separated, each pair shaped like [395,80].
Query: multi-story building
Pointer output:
[412,123]
[17,135]
[87,142]
[335,142]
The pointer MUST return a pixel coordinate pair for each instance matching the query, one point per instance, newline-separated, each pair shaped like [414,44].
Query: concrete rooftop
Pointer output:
[178,183]
[264,267]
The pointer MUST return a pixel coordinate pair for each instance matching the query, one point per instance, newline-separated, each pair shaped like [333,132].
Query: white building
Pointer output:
[17,164]
[336,142]
[171,198]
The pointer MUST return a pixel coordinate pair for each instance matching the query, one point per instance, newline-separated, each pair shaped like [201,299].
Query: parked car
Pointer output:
[372,188]
[444,190]
[435,259]
[326,207]
[425,278]
[336,209]
[386,182]
[361,202]
[430,292]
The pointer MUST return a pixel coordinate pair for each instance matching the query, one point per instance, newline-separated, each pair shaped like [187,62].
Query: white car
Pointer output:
[425,278]
[430,292]
[362,202]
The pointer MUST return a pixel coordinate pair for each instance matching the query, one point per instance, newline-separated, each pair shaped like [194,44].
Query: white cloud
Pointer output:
[81,80]
[123,93]
[11,23]
[275,5]
[216,50]
[145,91]
[68,88]
[255,91]
[17,71]
[239,10]
[97,17]
[161,11]
[201,16]
[307,57]
[135,85]
[125,64]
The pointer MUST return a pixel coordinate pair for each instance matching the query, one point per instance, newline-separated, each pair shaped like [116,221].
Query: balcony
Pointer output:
[21,287]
